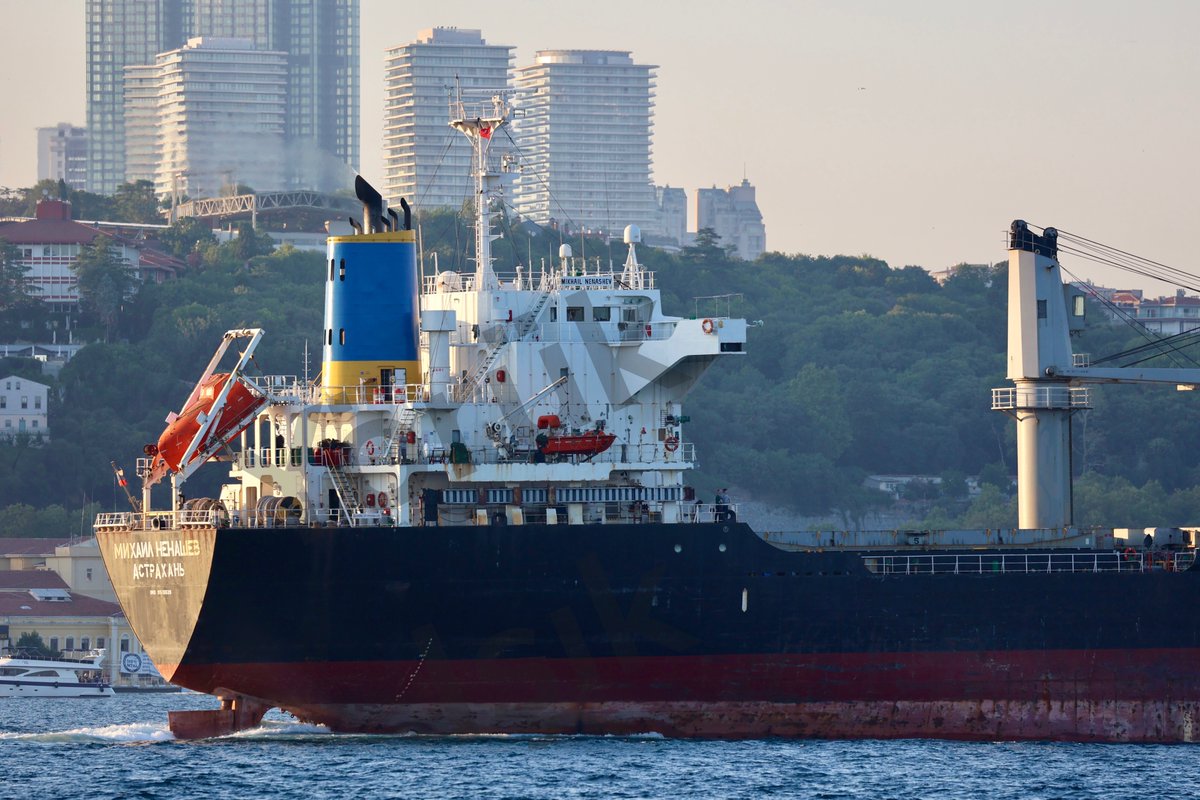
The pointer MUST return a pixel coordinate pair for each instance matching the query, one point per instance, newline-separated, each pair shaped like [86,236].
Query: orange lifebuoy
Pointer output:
[1130,554]
[707,326]
[671,444]
[383,499]
[370,500]
[370,447]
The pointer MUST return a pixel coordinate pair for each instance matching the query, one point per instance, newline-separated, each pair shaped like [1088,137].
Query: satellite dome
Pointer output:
[564,251]
[633,234]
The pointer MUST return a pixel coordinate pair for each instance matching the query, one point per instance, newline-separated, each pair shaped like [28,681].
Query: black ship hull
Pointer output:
[688,630]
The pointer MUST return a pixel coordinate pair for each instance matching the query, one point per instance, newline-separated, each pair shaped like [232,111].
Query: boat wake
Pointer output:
[131,733]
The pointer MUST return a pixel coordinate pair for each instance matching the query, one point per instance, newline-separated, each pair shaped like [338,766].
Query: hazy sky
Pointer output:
[912,131]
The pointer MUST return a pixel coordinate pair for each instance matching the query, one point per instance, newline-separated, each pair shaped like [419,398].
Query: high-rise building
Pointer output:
[120,33]
[584,140]
[672,214]
[734,216]
[424,159]
[320,38]
[62,154]
[141,122]
[216,108]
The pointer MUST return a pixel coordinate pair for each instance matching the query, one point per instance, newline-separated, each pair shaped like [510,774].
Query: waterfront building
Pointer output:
[62,154]
[24,405]
[49,245]
[584,140]
[734,216]
[424,159]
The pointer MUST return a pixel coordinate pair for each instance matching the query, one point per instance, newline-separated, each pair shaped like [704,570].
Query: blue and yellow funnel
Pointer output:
[372,333]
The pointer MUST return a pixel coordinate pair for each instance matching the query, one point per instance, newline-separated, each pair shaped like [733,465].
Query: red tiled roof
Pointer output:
[14,604]
[29,546]
[47,231]
[30,579]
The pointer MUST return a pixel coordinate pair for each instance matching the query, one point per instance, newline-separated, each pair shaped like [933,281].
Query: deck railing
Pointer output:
[1002,563]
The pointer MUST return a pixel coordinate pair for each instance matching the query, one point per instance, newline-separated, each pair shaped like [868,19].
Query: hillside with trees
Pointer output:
[852,368]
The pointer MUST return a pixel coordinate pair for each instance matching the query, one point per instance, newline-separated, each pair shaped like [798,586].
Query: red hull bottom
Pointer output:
[1071,700]
[987,720]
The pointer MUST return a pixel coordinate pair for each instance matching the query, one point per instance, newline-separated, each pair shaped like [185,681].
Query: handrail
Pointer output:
[1005,563]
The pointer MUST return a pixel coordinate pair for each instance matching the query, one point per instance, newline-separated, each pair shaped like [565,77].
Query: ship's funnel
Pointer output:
[372,204]
[371,326]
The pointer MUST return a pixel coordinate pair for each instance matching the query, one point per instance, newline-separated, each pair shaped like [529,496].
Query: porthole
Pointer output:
[721,548]
[678,548]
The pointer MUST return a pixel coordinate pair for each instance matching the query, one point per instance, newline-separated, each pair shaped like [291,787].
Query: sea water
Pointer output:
[121,748]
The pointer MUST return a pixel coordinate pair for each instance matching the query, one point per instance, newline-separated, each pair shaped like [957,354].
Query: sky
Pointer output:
[910,131]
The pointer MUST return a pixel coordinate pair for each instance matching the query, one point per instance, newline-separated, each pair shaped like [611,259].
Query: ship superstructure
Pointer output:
[552,395]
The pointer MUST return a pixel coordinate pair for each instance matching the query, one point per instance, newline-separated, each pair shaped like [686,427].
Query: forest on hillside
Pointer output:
[857,368]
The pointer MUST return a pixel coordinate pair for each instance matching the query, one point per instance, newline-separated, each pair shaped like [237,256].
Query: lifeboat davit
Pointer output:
[241,403]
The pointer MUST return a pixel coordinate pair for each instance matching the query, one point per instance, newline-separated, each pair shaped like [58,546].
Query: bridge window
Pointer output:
[602,313]
[574,313]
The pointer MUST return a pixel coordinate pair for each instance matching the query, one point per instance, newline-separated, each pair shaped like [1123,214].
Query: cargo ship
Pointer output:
[477,519]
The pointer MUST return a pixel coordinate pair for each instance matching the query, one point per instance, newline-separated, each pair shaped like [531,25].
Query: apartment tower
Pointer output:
[584,136]
[425,160]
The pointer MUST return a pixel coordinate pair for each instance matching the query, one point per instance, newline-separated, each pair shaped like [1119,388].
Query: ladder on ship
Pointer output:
[528,321]
[401,424]
[347,494]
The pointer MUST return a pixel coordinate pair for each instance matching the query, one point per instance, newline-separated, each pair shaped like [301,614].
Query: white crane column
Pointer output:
[1039,344]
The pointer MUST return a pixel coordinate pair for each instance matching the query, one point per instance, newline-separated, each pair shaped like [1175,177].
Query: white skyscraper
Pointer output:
[218,118]
[425,160]
[584,140]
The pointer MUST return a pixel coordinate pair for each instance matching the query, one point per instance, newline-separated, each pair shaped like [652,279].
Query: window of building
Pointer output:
[54,643]
[37,402]
[100,642]
[124,642]
[70,643]
[88,572]
[85,643]
[3,401]
[24,401]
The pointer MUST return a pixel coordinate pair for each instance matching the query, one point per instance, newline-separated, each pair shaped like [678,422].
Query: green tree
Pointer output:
[31,644]
[104,282]
[18,309]
[136,202]
[187,235]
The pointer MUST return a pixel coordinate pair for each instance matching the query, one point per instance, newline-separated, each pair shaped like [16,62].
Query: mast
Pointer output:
[480,130]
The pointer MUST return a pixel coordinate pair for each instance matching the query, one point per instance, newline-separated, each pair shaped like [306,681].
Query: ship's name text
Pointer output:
[167,548]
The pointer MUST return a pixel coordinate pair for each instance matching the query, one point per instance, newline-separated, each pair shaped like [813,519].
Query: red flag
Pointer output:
[485,132]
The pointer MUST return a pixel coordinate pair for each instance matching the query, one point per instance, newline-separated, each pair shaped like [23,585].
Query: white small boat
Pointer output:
[42,677]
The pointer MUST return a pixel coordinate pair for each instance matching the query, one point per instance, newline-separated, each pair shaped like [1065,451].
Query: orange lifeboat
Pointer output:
[577,444]
[240,406]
